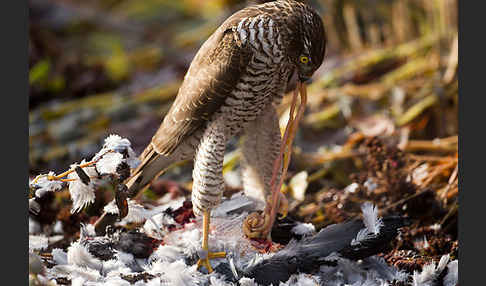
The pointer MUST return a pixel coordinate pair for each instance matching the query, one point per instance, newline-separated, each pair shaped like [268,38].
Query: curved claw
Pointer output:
[255,225]
[204,254]
[204,261]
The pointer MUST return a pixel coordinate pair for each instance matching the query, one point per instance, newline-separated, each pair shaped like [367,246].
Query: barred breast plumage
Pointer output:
[241,70]
[263,81]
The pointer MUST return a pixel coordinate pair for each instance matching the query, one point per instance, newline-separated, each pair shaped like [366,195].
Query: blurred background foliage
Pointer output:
[103,66]
[114,66]
[98,67]
[389,78]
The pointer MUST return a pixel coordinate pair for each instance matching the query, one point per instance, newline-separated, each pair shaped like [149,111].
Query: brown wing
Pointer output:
[213,74]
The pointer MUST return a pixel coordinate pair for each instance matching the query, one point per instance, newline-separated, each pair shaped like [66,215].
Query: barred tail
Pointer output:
[152,166]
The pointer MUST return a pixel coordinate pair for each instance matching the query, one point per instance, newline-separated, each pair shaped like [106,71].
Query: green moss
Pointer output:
[39,72]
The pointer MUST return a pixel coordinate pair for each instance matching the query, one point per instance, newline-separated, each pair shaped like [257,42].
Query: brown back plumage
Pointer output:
[219,65]
[212,75]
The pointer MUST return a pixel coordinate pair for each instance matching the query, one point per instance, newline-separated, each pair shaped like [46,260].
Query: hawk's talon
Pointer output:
[220,254]
[204,261]
[276,201]
[209,255]
[255,224]
[204,254]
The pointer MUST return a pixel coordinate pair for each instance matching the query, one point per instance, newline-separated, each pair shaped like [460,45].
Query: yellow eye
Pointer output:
[304,59]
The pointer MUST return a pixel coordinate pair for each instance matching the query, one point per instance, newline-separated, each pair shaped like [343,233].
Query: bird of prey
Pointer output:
[232,86]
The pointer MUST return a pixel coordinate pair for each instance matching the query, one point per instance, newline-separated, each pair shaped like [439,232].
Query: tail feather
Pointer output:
[152,166]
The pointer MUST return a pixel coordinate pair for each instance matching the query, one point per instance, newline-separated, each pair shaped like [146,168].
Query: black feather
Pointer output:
[307,255]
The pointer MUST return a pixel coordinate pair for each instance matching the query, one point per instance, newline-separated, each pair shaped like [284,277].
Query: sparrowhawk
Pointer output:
[233,84]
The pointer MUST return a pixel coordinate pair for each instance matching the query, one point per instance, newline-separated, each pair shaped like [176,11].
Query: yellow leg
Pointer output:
[60,176]
[285,152]
[282,206]
[204,261]
[260,225]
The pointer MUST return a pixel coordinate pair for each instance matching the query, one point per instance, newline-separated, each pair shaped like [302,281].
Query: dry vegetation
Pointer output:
[381,120]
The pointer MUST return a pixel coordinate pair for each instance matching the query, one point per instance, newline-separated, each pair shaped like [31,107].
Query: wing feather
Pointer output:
[212,75]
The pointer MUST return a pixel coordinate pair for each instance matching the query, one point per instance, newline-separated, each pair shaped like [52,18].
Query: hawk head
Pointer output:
[308,43]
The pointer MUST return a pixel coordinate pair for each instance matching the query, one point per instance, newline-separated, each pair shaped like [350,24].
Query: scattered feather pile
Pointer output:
[371,221]
[168,258]
[110,166]
[163,247]
[42,185]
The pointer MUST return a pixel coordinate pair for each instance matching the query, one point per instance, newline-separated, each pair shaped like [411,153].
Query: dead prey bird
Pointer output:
[232,86]
[308,254]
